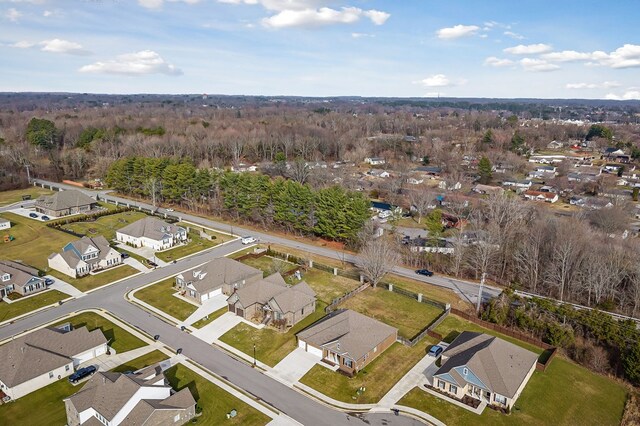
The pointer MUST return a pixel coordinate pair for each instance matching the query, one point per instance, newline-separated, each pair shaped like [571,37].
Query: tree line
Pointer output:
[331,212]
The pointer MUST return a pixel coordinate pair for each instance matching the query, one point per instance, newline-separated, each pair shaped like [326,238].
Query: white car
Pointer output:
[169,210]
[248,240]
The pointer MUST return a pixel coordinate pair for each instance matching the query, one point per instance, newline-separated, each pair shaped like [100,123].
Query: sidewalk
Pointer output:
[414,377]
[64,287]
[324,398]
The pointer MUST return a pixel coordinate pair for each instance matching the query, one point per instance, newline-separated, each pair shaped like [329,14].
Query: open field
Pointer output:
[160,295]
[105,225]
[20,307]
[119,339]
[271,345]
[378,377]
[214,401]
[407,315]
[565,394]
[10,197]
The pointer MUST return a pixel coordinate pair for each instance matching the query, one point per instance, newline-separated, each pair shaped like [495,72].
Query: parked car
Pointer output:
[169,210]
[33,215]
[435,351]
[124,255]
[49,281]
[45,218]
[82,373]
[152,264]
[424,272]
[248,240]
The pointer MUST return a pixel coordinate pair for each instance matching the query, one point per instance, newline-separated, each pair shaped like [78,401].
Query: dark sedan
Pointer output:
[424,272]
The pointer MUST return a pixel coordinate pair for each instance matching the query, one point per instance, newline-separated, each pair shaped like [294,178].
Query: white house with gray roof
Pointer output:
[486,368]
[20,278]
[80,257]
[4,223]
[44,356]
[153,233]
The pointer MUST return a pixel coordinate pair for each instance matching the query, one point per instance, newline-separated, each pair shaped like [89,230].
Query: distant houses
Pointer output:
[375,161]
[19,278]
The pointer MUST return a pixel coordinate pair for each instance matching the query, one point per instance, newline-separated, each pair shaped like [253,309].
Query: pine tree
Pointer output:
[484,168]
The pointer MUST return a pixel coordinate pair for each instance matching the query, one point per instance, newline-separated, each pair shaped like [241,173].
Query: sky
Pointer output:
[405,48]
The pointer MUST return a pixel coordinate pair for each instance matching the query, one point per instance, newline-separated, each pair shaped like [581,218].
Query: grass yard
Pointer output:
[196,244]
[565,394]
[269,265]
[10,197]
[453,325]
[271,345]
[431,291]
[160,295]
[214,401]
[328,286]
[12,310]
[119,339]
[105,225]
[89,282]
[142,362]
[408,315]
[378,377]
[42,407]
[209,318]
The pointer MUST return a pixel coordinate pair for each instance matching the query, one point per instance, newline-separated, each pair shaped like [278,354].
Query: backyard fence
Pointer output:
[338,300]
[427,331]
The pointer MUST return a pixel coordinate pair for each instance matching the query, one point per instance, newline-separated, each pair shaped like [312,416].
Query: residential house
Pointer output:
[486,368]
[44,356]
[20,278]
[142,398]
[80,257]
[450,186]
[64,203]
[518,184]
[424,245]
[4,223]
[430,172]
[385,208]
[219,276]
[153,233]
[271,299]
[242,167]
[379,173]
[612,168]
[547,159]
[612,153]
[415,180]
[374,161]
[549,197]
[555,145]
[503,168]
[347,339]
[546,169]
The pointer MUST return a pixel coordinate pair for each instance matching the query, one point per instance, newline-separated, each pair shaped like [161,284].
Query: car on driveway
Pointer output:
[435,351]
[33,215]
[48,281]
[82,373]
[124,255]
[248,240]
[45,218]
[425,272]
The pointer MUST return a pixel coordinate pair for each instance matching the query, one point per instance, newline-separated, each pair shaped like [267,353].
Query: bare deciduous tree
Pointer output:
[421,200]
[377,258]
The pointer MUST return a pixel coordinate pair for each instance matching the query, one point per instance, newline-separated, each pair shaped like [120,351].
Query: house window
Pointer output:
[51,374]
[6,277]
[66,367]
[500,399]
[441,384]
[465,371]
[453,389]
[348,363]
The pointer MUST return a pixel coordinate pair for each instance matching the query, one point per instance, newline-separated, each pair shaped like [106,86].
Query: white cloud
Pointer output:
[63,46]
[530,49]
[627,56]
[566,56]
[157,4]
[437,80]
[139,63]
[22,44]
[492,61]
[280,5]
[47,13]
[628,95]
[537,65]
[320,17]
[605,85]
[514,35]
[457,31]
[362,35]
[13,14]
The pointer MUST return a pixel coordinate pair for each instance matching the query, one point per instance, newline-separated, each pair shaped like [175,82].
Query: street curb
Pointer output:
[365,409]
[44,308]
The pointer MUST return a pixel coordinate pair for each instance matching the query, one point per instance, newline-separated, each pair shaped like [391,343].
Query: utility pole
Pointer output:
[28,175]
[484,274]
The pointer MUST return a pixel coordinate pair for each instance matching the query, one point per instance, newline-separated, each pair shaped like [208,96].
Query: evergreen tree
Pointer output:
[484,168]
[42,133]
[488,137]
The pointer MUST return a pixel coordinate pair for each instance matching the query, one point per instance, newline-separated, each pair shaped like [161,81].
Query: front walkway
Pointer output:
[135,263]
[294,366]
[64,287]
[207,307]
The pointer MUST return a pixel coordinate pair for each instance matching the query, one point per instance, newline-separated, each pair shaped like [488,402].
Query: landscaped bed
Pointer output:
[143,361]
[160,296]
[214,401]
[377,378]
[565,394]
[89,282]
[119,339]
[406,314]
[20,307]
[271,345]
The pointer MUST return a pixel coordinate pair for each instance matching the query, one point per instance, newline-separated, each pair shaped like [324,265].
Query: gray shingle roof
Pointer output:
[216,273]
[20,275]
[43,350]
[64,200]
[150,227]
[347,332]
[500,365]
[274,291]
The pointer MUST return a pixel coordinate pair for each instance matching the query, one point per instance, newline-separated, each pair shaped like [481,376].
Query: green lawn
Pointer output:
[209,318]
[432,292]
[378,377]
[565,394]
[105,225]
[271,345]
[214,401]
[89,282]
[11,310]
[10,197]
[42,407]
[160,295]
[142,361]
[328,286]
[408,315]
[119,339]
[196,244]
[269,265]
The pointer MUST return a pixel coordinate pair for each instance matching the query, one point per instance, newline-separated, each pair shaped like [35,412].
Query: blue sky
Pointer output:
[543,49]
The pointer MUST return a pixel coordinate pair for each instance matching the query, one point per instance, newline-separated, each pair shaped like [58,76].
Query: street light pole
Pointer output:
[254,354]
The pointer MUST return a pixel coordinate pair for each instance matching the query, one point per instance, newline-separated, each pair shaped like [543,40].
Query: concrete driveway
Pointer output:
[211,332]
[294,366]
[64,287]
[209,306]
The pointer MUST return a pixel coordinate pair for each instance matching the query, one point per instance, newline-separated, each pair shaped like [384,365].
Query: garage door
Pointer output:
[101,350]
[215,292]
[82,358]
[239,312]
[204,297]
[314,351]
